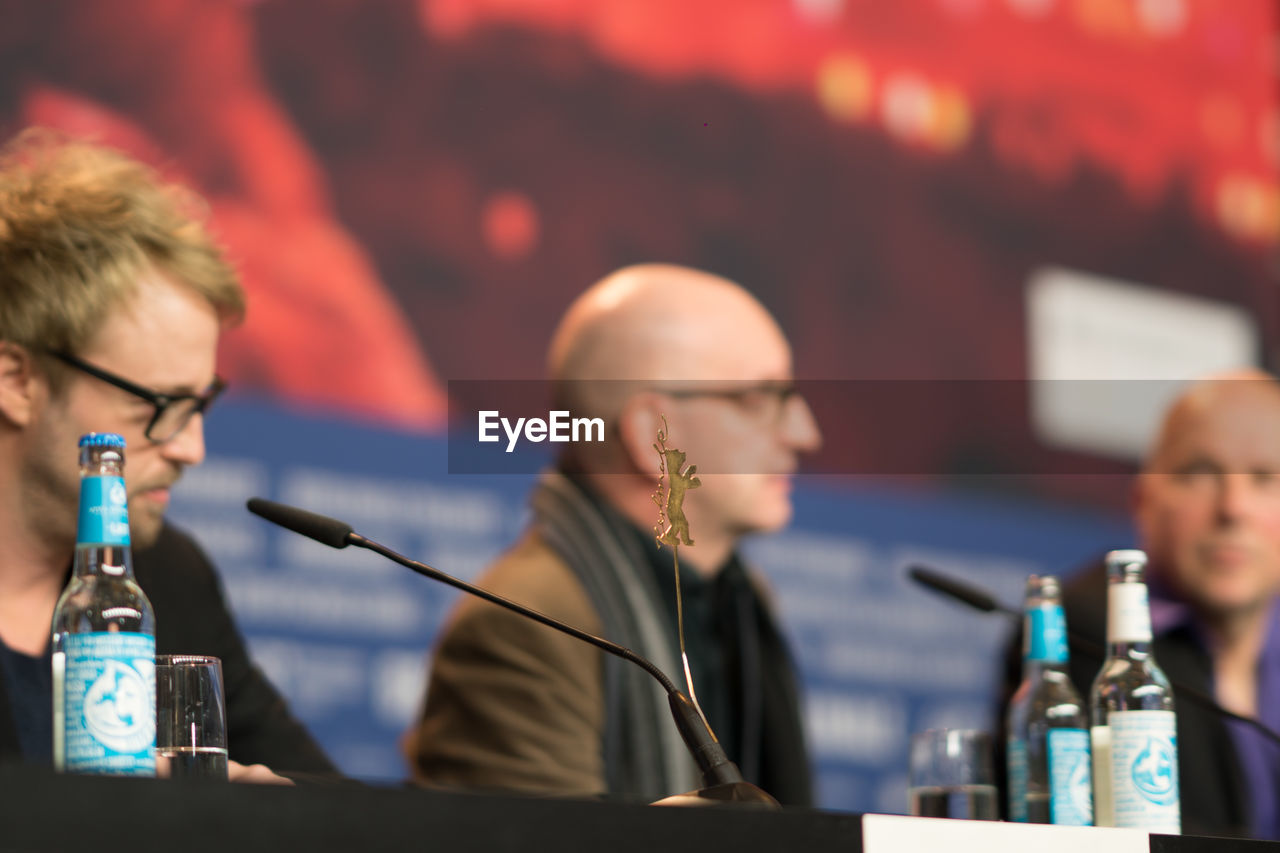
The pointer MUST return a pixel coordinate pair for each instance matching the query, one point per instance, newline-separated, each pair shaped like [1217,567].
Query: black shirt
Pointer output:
[191,618]
[721,632]
[28,681]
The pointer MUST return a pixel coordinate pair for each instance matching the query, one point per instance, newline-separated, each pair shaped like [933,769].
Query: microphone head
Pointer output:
[329,531]
[960,591]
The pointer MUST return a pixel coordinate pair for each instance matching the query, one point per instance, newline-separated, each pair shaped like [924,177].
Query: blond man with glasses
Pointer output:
[113,296]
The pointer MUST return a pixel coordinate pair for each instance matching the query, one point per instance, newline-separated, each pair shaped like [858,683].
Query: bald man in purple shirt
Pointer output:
[1207,510]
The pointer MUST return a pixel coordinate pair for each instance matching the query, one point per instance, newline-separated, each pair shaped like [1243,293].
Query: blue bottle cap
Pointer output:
[102,439]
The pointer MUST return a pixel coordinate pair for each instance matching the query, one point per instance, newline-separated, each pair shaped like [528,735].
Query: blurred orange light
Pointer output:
[1106,17]
[1249,208]
[844,88]
[952,119]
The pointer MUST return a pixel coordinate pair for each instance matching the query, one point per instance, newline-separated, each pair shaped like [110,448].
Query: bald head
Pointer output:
[1240,407]
[1207,505]
[618,354]
[660,322]
[666,348]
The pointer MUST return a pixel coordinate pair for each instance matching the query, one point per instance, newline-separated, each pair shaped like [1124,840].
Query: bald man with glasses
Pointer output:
[512,705]
[112,299]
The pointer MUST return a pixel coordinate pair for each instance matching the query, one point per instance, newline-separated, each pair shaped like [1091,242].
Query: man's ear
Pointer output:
[22,386]
[638,425]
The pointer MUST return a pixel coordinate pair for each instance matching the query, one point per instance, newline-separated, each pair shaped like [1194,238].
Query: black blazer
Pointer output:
[192,618]
[1211,782]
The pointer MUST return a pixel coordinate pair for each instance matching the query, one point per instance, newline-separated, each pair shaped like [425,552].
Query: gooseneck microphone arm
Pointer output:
[710,756]
[980,599]
[717,770]
[599,642]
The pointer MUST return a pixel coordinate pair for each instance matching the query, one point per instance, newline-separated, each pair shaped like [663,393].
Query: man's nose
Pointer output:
[799,427]
[1235,496]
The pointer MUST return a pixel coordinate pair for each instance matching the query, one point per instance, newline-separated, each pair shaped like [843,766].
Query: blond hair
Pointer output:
[79,224]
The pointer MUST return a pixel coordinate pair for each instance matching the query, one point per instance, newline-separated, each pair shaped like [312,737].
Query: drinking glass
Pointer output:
[950,775]
[191,716]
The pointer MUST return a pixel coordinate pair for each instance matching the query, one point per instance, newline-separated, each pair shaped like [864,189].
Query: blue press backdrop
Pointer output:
[346,635]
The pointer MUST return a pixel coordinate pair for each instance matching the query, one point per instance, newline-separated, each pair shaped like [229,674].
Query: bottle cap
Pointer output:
[102,439]
[1126,557]
[1043,585]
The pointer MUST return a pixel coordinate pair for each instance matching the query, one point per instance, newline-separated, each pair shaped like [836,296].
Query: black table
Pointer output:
[42,811]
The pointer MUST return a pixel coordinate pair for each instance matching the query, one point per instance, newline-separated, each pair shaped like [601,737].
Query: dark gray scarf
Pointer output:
[644,758]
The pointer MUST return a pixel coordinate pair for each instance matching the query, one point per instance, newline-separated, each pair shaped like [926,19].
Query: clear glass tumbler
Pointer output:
[950,775]
[191,716]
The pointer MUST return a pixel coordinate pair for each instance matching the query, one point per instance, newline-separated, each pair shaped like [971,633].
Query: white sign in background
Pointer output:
[1106,357]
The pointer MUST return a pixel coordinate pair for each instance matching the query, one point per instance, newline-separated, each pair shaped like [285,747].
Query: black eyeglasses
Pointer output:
[766,400]
[172,411]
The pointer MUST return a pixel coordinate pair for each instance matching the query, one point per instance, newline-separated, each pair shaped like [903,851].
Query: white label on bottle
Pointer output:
[1128,614]
[1144,770]
[58,665]
[1070,788]
[109,702]
[1100,748]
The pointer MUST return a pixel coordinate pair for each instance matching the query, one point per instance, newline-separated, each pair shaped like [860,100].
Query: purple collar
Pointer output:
[1259,758]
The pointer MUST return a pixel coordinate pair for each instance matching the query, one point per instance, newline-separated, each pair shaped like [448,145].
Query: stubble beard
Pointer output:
[51,499]
[144,525]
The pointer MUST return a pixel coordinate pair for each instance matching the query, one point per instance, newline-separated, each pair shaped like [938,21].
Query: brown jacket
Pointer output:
[512,704]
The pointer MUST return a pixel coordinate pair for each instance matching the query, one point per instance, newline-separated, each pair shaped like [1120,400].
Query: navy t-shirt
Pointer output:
[29,684]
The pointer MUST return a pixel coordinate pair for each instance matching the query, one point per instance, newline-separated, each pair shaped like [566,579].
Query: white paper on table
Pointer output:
[897,833]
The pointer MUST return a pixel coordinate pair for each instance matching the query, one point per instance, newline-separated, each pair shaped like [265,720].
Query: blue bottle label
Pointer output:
[104,512]
[1070,778]
[1048,638]
[1017,759]
[110,703]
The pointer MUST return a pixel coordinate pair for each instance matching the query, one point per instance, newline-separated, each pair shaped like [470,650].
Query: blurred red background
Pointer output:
[415,190]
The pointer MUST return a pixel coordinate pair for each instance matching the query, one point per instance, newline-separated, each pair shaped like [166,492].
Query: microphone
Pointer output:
[330,531]
[722,780]
[980,599]
[960,591]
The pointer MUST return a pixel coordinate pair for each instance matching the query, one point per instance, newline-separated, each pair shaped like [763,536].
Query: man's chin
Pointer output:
[144,529]
[1233,601]
[770,516]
